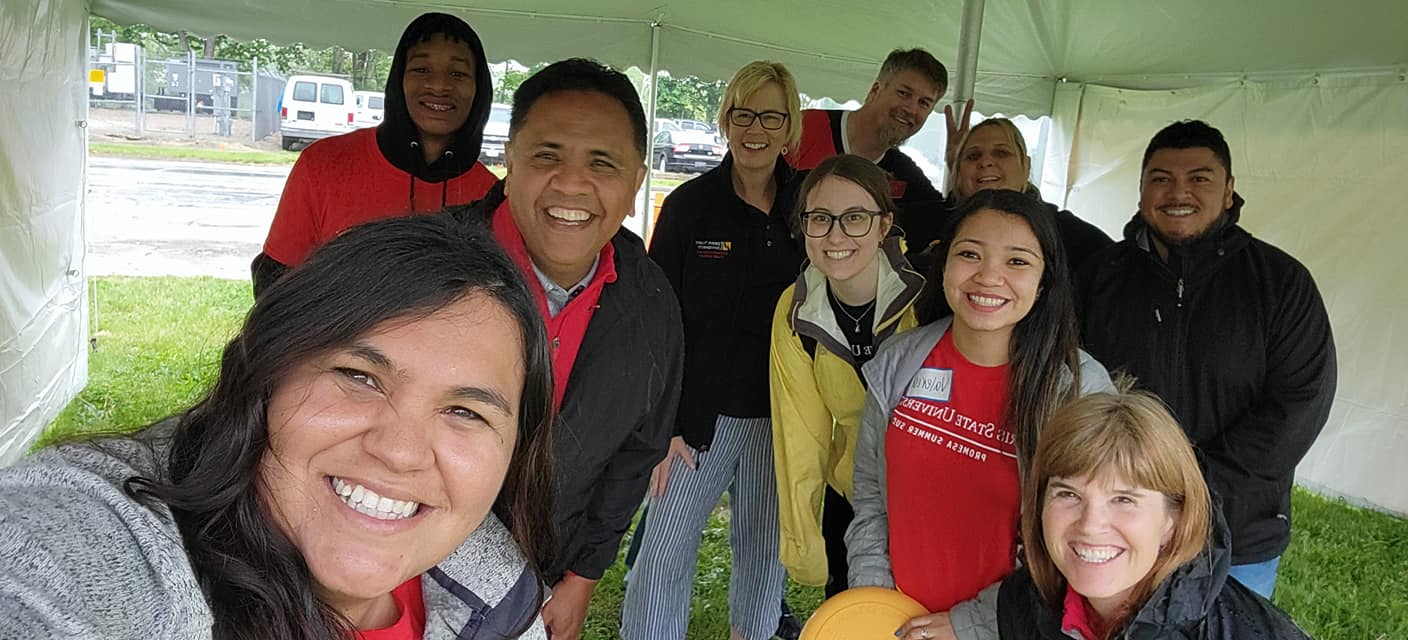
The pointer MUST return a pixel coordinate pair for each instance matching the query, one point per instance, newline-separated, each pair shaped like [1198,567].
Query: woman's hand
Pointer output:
[660,477]
[957,129]
[935,626]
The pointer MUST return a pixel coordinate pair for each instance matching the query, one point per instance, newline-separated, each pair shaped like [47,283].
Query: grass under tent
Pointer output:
[158,340]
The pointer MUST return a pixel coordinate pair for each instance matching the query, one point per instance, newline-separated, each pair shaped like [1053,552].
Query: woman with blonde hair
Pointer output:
[723,242]
[856,292]
[1122,540]
[993,155]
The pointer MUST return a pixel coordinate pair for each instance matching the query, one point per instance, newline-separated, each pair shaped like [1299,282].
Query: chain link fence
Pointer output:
[138,92]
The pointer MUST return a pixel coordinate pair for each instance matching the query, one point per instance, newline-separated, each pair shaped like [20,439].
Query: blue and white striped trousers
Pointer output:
[662,580]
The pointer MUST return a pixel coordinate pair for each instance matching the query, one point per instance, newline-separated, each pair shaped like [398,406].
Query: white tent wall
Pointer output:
[43,310]
[1320,161]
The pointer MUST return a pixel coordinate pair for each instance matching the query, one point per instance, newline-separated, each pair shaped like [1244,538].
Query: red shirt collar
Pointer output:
[511,239]
[1077,615]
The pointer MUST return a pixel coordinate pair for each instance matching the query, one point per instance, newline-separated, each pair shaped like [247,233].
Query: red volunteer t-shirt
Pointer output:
[411,624]
[567,329]
[953,493]
[343,181]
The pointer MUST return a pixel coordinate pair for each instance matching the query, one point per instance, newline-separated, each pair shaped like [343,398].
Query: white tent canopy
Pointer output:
[1312,97]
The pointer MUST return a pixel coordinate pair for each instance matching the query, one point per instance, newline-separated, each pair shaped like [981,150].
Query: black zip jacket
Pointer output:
[728,263]
[1197,602]
[1232,333]
[618,413]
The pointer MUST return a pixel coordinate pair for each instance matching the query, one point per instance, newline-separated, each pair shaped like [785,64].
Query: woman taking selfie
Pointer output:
[1122,540]
[856,292]
[371,462]
[953,413]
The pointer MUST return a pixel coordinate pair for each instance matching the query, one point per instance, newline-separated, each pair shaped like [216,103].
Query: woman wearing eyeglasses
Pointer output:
[856,292]
[723,241]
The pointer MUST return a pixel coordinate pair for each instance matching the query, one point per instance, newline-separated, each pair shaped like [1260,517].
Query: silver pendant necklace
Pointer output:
[856,319]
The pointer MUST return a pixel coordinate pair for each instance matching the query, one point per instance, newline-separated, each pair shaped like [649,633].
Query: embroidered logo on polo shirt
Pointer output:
[713,249]
[931,384]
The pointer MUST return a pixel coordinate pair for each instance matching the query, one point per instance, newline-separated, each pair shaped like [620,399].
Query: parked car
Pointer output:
[491,151]
[315,107]
[666,124]
[695,125]
[687,151]
[370,107]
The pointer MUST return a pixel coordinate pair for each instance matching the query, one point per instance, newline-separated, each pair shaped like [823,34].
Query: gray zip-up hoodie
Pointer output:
[868,538]
[79,558]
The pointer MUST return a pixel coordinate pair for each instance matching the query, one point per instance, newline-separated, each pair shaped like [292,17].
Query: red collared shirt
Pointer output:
[1077,616]
[568,327]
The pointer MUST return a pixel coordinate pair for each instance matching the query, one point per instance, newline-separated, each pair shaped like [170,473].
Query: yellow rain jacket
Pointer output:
[817,396]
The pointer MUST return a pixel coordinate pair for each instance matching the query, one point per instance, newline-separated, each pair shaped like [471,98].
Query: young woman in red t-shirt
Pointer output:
[953,411]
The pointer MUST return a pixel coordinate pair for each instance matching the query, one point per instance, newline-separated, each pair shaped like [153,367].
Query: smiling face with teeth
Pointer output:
[1183,193]
[900,104]
[573,173]
[439,86]
[851,265]
[385,455]
[1104,534]
[991,276]
[989,159]
[753,147]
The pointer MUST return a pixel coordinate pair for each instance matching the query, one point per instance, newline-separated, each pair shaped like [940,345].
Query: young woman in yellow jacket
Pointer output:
[856,291]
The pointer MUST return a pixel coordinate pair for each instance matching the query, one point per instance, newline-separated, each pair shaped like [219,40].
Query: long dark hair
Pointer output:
[254,579]
[1045,356]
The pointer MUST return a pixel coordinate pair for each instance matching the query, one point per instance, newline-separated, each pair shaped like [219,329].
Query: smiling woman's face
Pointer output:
[386,454]
[1104,534]
[990,160]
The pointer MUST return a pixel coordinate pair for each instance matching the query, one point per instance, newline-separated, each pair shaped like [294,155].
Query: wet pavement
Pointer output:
[156,217]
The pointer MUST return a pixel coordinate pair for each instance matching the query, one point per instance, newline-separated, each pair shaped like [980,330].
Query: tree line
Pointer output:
[683,97]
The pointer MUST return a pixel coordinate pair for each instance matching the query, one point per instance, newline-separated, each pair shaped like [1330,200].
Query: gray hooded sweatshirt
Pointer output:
[79,558]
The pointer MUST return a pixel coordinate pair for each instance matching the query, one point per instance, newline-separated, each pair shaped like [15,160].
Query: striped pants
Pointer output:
[662,580]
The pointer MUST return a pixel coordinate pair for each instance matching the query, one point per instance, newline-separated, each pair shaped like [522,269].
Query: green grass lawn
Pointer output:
[1345,575]
[160,152]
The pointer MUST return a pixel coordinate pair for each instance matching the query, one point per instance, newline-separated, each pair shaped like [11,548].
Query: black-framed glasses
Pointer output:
[854,223]
[771,120]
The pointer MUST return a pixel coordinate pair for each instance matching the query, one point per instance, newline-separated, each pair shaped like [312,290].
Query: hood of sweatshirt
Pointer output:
[397,135]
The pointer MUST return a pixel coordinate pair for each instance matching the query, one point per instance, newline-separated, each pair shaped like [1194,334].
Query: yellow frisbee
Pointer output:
[862,613]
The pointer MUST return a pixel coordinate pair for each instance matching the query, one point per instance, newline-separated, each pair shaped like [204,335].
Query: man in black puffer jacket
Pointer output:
[1230,331]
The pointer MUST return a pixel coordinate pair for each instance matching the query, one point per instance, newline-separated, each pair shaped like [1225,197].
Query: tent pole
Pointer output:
[969,37]
[649,210]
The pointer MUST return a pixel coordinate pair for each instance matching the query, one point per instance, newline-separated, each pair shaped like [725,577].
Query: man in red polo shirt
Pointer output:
[575,160]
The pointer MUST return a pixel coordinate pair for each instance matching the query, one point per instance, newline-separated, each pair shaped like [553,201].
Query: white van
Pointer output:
[315,107]
[371,107]
[491,151]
